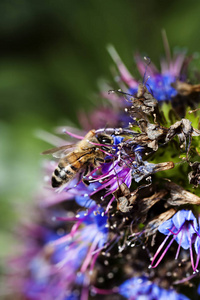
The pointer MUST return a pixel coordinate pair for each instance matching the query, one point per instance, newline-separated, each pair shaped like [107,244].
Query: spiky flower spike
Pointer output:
[121,189]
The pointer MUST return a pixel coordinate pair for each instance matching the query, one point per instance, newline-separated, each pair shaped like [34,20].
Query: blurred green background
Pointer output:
[52,53]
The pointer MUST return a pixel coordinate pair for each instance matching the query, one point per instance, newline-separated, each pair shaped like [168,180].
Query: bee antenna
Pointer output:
[105,127]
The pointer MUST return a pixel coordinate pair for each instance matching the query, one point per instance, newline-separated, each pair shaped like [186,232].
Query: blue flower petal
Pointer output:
[181,216]
[182,238]
[160,86]
[84,201]
[165,226]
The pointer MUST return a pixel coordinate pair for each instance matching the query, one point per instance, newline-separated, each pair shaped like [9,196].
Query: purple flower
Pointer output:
[79,249]
[158,83]
[87,237]
[184,229]
[139,288]
[116,171]
[54,262]
[106,116]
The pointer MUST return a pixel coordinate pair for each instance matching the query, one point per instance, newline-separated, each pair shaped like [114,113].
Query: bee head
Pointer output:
[104,139]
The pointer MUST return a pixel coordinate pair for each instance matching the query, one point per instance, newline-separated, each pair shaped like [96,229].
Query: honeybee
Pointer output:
[86,153]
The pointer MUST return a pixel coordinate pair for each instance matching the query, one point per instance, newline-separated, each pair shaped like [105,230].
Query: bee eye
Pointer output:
[104,140]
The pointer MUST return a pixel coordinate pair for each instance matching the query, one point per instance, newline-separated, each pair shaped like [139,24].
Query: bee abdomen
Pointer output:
[61,175]
[55,182]
[73,168]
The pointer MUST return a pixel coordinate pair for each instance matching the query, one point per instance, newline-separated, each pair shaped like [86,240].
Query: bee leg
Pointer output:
[108,160]
[86,172]
[98,160]
[86,182]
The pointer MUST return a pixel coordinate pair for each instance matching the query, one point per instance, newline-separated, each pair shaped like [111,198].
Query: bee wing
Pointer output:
[60,152]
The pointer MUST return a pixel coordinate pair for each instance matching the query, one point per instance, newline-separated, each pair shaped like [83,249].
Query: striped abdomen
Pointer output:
[68,168]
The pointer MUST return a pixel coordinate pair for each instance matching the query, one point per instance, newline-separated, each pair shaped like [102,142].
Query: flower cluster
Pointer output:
[122,217]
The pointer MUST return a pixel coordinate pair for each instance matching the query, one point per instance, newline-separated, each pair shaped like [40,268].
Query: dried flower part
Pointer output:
[153,225]
[185,89]
[194,175]
[143,104]
[179,196]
